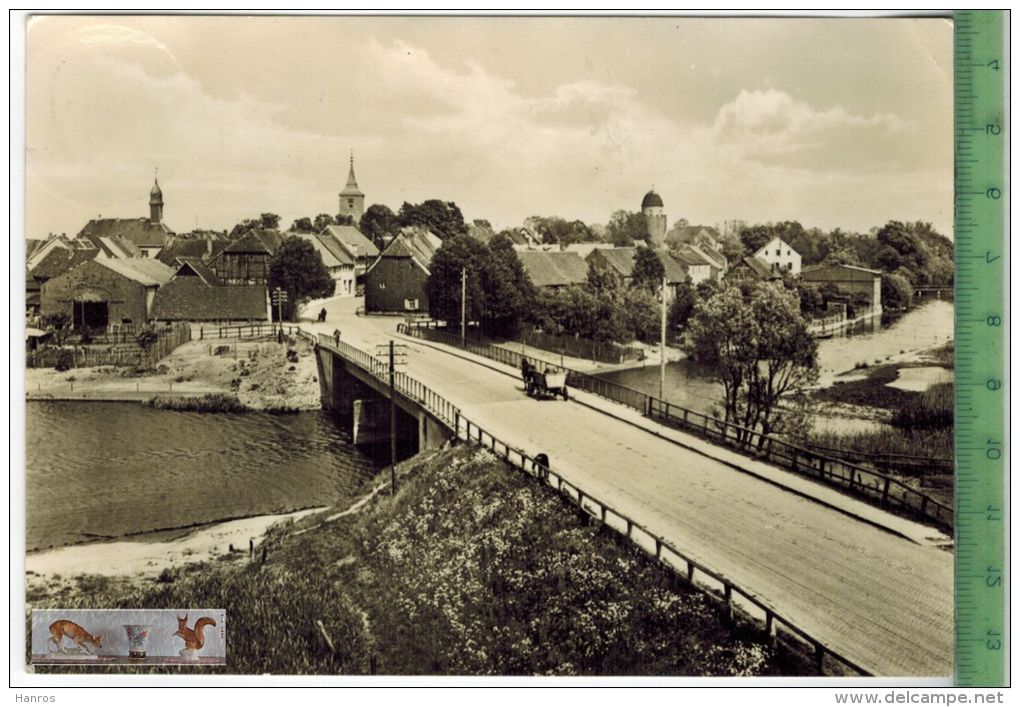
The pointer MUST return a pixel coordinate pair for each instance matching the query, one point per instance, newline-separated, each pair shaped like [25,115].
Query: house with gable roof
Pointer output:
[395,282]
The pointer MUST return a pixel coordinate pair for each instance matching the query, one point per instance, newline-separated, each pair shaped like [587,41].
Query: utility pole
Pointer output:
[393,425]
[662,344]
[463,307]
[279,297]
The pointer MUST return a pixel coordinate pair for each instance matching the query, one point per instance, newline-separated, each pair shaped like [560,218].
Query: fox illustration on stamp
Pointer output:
[59,630]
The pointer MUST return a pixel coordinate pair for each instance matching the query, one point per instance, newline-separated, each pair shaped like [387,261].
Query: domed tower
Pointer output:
[156,204]
[352,199]
[651,207]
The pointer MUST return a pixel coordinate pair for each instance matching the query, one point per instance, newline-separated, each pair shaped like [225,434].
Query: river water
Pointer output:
[102,469]
[692,386]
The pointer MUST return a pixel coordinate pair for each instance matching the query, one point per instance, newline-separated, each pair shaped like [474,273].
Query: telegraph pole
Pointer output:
[279,297]
[463,307]
[393,425]
[662,344]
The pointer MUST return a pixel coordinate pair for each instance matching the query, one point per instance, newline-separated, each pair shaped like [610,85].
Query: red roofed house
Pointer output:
[396,280]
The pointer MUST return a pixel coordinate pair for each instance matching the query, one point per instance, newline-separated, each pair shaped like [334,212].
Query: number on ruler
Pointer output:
[993,384]
[993,64]
[989,258]
[993,643]
[993,193]
[993,129]
[994,450]
[994,320]
[994,577]
[993,513]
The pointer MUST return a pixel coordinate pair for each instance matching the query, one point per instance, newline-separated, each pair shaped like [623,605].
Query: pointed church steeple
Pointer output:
[352,199]
[156,201]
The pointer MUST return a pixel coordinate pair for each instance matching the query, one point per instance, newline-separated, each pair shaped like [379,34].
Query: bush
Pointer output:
[65,360]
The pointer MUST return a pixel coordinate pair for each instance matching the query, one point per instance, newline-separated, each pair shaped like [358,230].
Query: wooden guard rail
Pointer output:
[697,574]
[867,484]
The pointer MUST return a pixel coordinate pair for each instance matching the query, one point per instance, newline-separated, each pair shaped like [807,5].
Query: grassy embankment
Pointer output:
[920,423]
[473,569]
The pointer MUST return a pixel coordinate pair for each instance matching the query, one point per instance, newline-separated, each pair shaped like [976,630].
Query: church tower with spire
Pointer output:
[352,199]
[156,204]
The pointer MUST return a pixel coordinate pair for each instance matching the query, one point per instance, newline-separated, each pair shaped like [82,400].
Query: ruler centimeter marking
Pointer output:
[982,139]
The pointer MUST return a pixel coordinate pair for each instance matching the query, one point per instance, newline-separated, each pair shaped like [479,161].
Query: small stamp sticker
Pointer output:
[129,636]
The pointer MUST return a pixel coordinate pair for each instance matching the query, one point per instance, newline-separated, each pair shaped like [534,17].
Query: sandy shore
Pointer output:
[145,556]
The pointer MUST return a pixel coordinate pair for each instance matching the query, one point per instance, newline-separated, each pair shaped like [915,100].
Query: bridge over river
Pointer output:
[874,589]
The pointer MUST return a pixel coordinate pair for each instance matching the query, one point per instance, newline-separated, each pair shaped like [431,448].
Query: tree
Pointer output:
[321,221]
[812,304]
[754,237]
[648,270]
[683,306]
[608,322]
[147,338]
[897,292]
[266,221]
[509,292]
[558,231]
[297,268]
[457,254]
[59,323]
[379,224]
[641,314]
[760,349]
[626,227]
[443,218]
[302,225]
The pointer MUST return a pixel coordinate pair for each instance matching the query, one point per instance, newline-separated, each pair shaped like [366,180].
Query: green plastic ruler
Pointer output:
[982,140]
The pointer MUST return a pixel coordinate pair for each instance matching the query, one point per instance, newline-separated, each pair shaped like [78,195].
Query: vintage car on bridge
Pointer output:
[543,384]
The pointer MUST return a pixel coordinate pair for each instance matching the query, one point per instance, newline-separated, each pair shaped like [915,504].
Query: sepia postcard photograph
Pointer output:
[489,346]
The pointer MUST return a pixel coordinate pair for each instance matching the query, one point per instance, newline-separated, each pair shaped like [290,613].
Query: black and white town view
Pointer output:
[494,346]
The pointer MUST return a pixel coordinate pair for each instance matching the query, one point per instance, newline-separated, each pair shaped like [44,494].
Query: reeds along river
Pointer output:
[97,469]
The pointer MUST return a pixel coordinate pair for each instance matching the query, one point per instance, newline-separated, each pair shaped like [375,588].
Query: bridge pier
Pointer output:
[355,394]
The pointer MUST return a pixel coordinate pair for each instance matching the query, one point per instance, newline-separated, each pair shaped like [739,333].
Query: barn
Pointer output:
[99,293]
[850,279]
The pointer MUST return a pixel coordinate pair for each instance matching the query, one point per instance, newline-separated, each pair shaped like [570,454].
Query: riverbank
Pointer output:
[473,569]
[261,374]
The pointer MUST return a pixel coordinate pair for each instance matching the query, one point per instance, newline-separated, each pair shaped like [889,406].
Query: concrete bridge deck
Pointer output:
[877,598]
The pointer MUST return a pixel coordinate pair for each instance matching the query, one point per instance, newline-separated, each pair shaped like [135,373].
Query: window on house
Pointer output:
[382,285]
[350,203]
[779,251]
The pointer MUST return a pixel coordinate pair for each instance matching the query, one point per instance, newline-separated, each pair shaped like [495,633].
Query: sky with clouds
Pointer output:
[832,122]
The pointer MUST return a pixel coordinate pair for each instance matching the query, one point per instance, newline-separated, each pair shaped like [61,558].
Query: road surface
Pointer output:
[882,601]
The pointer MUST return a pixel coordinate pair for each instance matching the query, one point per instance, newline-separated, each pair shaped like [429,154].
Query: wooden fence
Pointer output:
[867,484]
[697,574]
[246,331]
[128,353]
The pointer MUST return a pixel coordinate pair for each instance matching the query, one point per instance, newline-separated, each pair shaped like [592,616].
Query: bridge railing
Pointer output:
[867,484]
[697,574]
[442,409]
